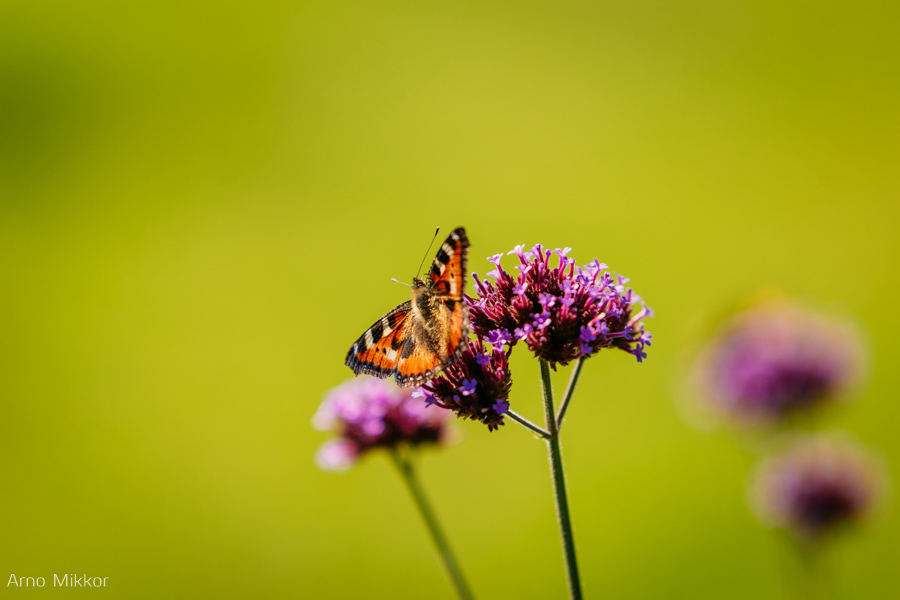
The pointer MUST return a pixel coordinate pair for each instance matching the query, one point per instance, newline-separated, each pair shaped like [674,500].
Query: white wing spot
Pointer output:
[369,341]
[384,325]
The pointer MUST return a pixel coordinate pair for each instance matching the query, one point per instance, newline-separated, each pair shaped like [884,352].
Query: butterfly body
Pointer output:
[421,336]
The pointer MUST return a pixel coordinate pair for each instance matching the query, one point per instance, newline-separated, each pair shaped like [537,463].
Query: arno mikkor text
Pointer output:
[65,580]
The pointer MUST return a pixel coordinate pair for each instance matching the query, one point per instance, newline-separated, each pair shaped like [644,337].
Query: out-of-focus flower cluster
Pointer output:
[476,386]
[560,312]
[368,413]
[816,487]
[773,362]
[776,360]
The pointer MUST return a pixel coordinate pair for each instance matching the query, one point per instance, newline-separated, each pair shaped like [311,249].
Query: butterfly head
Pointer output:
[420,293]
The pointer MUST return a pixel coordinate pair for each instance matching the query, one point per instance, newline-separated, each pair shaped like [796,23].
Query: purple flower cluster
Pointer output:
[776,360]
[476,386]
[816,487]
[561,313]
[369,413]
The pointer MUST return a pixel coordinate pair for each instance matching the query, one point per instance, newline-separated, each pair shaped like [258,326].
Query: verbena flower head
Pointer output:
[775,360]
[369,413]
[476,386]
[816,487]
[560,312]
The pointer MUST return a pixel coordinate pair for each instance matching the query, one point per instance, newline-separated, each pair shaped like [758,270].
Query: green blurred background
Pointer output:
[201,207]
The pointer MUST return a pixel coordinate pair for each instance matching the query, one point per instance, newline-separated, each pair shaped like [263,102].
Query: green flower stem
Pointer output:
[576,371]
[812,581]
[559,485]
[527,424]
[437,535]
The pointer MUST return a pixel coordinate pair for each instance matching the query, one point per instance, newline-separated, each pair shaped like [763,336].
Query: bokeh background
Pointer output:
[202,205]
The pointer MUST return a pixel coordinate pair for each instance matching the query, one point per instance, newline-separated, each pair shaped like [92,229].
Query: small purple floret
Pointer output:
[500,406]
[587,333]
[524,331]
[518,252]
[542,320]
[498,338]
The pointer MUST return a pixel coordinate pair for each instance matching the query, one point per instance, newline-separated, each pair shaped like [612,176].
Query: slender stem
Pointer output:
[576,371]
[811,582]
[526,423]
[559,486]
[437,535]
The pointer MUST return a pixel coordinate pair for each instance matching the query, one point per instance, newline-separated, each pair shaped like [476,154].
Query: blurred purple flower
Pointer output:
[817,486]
[369,413]
[562,312]
[476,386]
[775,360]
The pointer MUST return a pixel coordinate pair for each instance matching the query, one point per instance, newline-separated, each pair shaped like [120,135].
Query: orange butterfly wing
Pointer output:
[458,333]
[417,364]
[447,280]
[447,276]
[378,350]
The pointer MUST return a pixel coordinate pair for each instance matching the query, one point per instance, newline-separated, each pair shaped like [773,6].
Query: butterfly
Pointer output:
[416,340]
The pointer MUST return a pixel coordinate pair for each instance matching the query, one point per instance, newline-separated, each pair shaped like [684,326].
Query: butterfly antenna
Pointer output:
[427,251]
